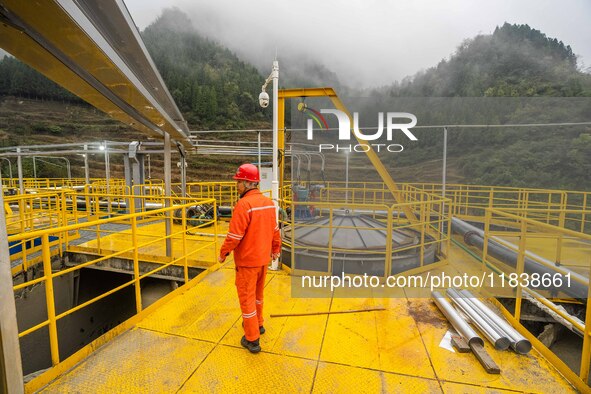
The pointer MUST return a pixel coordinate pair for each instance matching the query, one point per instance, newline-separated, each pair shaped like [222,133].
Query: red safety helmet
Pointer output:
[247,172]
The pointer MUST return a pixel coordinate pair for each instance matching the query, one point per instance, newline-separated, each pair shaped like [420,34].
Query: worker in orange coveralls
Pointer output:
[254,237]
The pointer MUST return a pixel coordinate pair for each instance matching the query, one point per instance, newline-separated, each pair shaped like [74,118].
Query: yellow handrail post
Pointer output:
[388,260]
[586,351]
[64,234]
[583,214]
[136,262]
[487,219]
[184,228]
[520,268]
[21,213]
[549,207]
[330,232]
[49,298]
[422,224]
[559,238]
[449,216]
[216,246]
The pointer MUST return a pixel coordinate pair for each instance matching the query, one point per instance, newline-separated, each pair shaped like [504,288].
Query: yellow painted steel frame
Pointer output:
[51,21]
[371,154]
[49,275]
[581,380]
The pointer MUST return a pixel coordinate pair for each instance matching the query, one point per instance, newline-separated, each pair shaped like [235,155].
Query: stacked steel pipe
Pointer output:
[494,328]
[461,326]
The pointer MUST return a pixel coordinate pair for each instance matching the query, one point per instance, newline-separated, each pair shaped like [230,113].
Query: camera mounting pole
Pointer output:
[264,101]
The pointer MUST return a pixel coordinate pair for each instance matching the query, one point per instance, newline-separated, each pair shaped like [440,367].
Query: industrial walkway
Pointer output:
[192,344]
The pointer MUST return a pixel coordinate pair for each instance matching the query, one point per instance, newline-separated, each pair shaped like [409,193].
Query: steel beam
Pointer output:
[167,193]
[95,51]
[11,372]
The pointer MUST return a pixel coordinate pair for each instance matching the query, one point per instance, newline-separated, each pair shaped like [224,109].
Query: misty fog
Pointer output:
[366,43]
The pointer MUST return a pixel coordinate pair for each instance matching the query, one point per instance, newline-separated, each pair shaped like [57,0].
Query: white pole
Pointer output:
[34,168]
[69,167]
[275,182]
[259,149]
[86,170]
[107,171]
[444,170]
[19,162]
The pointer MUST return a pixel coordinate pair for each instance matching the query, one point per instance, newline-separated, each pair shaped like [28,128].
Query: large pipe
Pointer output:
[519,343]
[500,341]
[81,203]
[473,236]
[456,320]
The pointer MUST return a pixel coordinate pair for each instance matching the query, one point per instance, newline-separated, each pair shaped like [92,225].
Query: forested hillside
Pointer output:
[19,80]
[212,87]
[215,89]
[515,60]
[535,79]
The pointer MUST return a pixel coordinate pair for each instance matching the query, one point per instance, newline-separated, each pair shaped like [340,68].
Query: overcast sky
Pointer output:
[370,42]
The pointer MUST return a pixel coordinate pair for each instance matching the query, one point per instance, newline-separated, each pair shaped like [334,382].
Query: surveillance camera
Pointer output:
[264,99]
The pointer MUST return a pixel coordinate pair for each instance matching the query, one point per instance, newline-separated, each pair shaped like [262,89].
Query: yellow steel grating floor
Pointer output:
[192,344]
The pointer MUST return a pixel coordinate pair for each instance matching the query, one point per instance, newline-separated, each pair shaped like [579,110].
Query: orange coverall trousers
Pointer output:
[250,283]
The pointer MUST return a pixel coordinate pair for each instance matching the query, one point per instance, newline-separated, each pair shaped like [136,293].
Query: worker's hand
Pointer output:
[221,259]
[275,256]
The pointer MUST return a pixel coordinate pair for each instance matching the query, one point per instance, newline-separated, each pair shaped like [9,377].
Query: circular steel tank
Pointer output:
[358,246]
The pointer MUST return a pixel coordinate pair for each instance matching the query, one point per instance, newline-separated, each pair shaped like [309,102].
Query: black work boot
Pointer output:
[252,347]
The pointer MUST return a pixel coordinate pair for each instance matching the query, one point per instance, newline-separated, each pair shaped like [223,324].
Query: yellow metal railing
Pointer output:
[569,209]
[550,206]
[54,183]
[186,244]
[32,212]
[224,192]
[520,237]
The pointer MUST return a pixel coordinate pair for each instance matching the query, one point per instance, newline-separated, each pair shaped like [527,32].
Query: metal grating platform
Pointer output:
[191,344]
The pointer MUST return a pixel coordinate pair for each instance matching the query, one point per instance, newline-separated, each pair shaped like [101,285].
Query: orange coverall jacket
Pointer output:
[253,232]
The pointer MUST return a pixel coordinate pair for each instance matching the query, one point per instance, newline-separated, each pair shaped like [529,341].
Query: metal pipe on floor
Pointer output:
[500,342]
[518,342]
[456,320]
